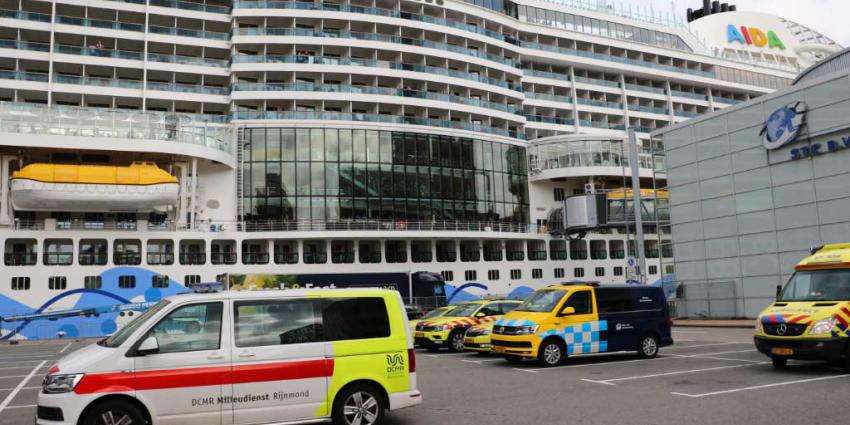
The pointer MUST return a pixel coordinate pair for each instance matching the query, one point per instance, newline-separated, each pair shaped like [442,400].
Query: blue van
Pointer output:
[583,318]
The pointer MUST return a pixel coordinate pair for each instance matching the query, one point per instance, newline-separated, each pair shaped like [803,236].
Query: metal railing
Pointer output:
[363,225]
[24,259]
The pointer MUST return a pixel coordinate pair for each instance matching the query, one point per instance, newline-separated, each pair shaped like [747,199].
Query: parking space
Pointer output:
[709,376]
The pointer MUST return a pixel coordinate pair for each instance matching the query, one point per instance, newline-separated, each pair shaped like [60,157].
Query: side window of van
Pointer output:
[195,327]
[276,322]
[507,307]
[614,300]
[355,318]
[581,301]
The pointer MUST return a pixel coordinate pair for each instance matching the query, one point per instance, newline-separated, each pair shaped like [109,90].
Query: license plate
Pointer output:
[782,351]
[420,335]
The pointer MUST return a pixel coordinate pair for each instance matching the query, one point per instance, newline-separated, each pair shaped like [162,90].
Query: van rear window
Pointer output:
[355,318]
[615,300]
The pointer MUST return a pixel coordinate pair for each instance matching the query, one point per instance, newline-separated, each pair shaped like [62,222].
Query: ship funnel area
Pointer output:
[709,8]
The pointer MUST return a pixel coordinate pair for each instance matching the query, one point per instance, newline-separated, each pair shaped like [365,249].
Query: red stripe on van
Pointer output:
[204,376]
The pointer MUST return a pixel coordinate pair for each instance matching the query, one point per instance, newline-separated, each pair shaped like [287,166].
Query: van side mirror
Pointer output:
[567,311]
[480,314]
[778,291]
[149,346]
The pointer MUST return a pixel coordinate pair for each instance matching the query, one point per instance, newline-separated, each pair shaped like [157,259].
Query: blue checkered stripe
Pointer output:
[583,338]
[516,322]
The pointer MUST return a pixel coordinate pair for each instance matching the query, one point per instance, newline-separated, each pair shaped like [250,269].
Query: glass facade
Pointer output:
[346,174]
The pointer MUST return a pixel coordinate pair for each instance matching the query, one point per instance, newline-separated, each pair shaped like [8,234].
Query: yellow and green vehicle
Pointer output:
[449,330]
[810,319]
[433,314]
[477,338]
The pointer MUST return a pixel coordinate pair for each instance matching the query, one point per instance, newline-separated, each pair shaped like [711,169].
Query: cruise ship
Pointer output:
[147,145]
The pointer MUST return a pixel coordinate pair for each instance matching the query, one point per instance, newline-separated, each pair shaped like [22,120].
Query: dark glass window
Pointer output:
[355,318]
[277,322]
[613,300]
[581,301]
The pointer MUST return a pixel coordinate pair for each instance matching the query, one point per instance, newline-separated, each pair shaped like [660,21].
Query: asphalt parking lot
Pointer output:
[710,376]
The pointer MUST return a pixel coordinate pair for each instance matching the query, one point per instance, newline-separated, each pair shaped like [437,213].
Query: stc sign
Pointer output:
[753,37]
[783,126]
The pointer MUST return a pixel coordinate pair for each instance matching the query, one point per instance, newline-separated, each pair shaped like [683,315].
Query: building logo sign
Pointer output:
[783,125]
[753,37]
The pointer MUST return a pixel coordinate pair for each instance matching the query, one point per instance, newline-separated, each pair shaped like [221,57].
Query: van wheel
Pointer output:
[113,413]
[514,359]
[358,405]
[456,341]
[648,346]
[779,362]
[550,353]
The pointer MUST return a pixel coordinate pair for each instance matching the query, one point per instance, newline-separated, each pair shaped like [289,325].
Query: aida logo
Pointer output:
[753,37]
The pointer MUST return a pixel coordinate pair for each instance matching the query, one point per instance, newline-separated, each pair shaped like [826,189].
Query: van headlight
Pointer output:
[758,325]
[526,330]
[822,326]
[58,384]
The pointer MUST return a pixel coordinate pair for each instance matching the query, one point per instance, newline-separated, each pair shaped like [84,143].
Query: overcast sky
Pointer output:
[828,17]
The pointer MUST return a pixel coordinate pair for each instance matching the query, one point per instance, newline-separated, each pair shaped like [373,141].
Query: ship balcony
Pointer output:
[85,128]
[21,259]
[227,258]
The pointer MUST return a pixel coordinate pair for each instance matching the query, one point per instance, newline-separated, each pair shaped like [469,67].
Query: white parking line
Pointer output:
[656,375]
[24,388]
[687,332]
[21,407]
[482,361]
[706,345]
[18,388]
[587,365]
[758,387]
[66,347]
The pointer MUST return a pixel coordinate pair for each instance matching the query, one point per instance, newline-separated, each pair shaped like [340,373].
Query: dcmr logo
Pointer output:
[783,125]
[395,363]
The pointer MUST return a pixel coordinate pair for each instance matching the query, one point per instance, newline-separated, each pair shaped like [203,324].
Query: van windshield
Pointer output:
[119,337]
[818,285]
[542,301]
[462,310]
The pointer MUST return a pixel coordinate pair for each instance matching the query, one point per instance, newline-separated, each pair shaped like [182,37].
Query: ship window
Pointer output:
[578,272]
[599,272]
[516,274]
[537,273]
[58,252]
[618,271]
[559,272]
[57,283]
[191,279]
[126,282]
[448,275]
[93,282]
[20,283]
[493,274]
[159,281]
[471,275]
[653,270]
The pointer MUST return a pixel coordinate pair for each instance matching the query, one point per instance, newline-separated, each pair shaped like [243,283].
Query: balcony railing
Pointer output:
[342,257]
[315,258]
[647,89]
[160,258]
[552,97]
[25,118]
[396,257]
[286,258]
[395,119]
[127,258]
[446,256]
[193,258]
[183,32]
[387,91]
[546,74]
[223,258]
[688,95]
[515,255]
[255,258]
[27,16]
[599,103]
[422,257]
[650,109]
[58,258]
[470,256]
[303,32]
[578,255]
[24,259]
[550,120]
[92,259]
[370,257]
[597,81]
[492,255]
[24,45]
[598,255]
[537,255]
[201,7]
[331,60]
[558,255]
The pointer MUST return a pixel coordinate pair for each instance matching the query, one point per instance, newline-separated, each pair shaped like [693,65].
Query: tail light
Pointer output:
[669,320]
[411,360]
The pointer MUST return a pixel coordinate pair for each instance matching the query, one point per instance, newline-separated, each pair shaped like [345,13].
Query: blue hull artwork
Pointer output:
[82,326]
[457,294]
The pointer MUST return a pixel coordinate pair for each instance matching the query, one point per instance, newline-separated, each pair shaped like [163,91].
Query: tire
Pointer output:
[513,359]
[551,353]
[361,402]
[456,341]
[113,412]
[648,346]
[779,362]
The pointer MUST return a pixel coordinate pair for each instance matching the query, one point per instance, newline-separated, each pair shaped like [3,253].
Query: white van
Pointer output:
[240,358]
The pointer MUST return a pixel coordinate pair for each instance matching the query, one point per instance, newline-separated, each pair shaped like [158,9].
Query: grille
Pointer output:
[49,413]
[792,329]
[505,330]
[510,344]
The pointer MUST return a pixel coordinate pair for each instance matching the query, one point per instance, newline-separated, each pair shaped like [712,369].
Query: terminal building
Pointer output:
[753,187]
[149,144]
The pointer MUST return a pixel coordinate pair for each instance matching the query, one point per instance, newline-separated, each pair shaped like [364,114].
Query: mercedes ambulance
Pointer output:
[810,319]
[239,358]
[449,329]
[564,320]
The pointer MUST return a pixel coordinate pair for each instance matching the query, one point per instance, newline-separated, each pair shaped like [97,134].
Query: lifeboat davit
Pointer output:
[139,187]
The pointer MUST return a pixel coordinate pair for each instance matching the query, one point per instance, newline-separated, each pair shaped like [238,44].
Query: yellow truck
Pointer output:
[810,318]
